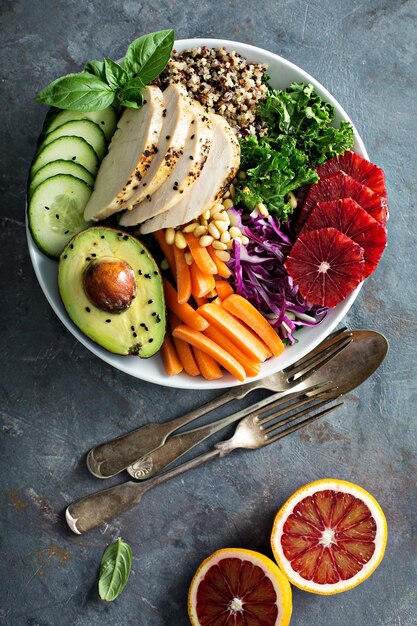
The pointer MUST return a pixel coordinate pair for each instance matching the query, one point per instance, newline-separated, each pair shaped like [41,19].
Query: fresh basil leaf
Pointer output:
[97,69]
[115,567]
[77,92]
[131,94]
[115,74]
[147,56]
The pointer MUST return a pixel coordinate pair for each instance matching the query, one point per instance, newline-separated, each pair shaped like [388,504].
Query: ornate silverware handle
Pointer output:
[101,507]
[114,456]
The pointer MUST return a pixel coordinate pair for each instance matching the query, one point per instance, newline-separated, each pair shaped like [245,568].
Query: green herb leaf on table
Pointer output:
[115,567]
[116,76]
[78,92]
[147,56]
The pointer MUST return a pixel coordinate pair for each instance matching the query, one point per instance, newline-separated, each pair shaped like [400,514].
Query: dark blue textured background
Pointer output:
[57,399]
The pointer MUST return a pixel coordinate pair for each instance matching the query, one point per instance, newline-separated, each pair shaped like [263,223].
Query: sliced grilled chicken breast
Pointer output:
[177,118]
[131,152]
[219,170]
[188,168]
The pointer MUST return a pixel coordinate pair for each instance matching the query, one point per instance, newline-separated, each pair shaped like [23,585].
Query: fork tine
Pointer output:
[328,343]
[303,423]
[318,360]
[325,395]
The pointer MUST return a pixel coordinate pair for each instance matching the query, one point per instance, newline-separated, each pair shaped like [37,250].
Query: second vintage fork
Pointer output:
[257,430]
[114,456]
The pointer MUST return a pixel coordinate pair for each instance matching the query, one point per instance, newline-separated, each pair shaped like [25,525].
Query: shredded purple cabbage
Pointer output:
[259,275]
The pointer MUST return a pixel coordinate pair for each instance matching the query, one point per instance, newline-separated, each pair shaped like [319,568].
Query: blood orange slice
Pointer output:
[340,185]
[326,265]
[360,169]
[329,536]
[236,587]
[353,221]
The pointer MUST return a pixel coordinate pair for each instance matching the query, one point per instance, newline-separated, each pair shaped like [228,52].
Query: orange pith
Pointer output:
[236,592]
[329,536]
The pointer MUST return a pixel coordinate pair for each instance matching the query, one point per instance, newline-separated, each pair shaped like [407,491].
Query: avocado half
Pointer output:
[112,290]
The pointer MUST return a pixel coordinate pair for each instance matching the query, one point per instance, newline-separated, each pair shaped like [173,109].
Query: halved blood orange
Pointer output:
[237,587]
[329,536]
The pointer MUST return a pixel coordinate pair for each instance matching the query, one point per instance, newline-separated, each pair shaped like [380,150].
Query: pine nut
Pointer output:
[218,245]
[234,219]
[205,241]
[223,255]
[227,203]
[261,208]
[234,232]
[232,190]
[292,200]
[188,258]
[206,214]
[245,240]
[203,221]
[200,230]
[241,175]
[227,194]
[170,236]
[221,226]
[190,227]
[225,237]
[180,240]
[220,216]
[214,231]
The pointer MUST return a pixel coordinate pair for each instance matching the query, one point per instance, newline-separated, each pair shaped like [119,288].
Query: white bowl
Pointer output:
[282,73]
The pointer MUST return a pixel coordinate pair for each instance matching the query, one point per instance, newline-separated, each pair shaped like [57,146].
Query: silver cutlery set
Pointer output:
[302,393]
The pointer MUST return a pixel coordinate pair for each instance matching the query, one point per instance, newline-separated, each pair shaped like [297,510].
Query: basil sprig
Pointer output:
[103,83]
[115,567]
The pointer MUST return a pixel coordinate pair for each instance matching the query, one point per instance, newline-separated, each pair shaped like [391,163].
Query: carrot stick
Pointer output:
[184,351]
[252,368]
[245,311]
[222,269]
[233,329]
[224,289]
[166,249]
[200,255]
[182,276]
[201,284]
[170,358]
[198,340]
[184,311]
[200,301]
[208,366]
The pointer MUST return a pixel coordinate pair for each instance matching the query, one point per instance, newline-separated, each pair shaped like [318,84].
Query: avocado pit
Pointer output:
[110,285]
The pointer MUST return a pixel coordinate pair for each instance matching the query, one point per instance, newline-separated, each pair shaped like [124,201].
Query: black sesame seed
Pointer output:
[71,245]
[65,256]
[73,158]
[168,137]
[66,232]
[150,301]
[164,113]
[101,236]
[135,334]
[57,216]
[47,208]
[142,251]
[140,272]
[87,308]
[191,157]
[155,273]
[88,258]
[150,340]
[108,321]
[143,325]
[126,237]
[192,136]
[93,254]
[148,276]
[153,314]
[144,184]
[132,328]
[158,318]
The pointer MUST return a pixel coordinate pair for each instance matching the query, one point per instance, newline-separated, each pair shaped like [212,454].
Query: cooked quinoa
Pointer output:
[224,82]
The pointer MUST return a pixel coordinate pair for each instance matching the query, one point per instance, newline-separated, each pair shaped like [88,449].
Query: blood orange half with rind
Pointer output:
[329,536]
[238,587]
[326,265]
[360,169]
[352,220]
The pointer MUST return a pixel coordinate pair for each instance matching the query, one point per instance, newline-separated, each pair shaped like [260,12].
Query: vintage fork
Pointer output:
[114,456]
[256,430]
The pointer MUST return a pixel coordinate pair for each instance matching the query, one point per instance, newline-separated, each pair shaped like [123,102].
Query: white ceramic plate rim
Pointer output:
[151,370]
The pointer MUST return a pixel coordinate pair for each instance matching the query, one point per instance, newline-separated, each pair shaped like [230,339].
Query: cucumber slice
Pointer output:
[86,129]
[105,119]
[56,212]
[69,149]
[60,167]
